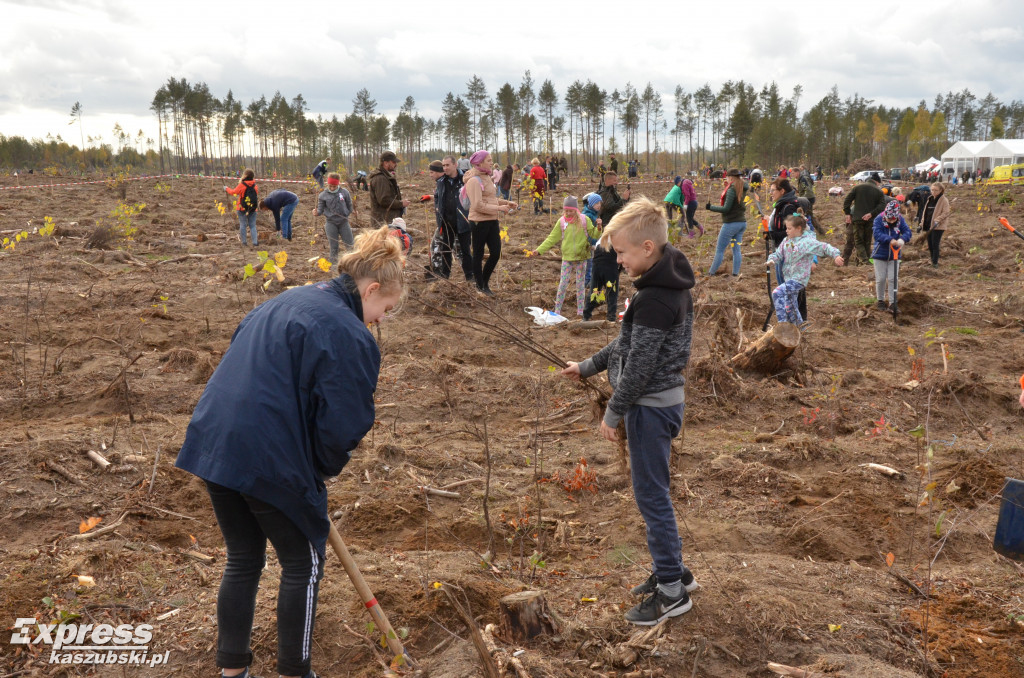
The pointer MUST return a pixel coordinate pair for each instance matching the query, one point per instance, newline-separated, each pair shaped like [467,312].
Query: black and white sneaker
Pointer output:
[689,584]
[657,606]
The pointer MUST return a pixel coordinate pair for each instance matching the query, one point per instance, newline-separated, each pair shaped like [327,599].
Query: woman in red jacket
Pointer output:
[246,204]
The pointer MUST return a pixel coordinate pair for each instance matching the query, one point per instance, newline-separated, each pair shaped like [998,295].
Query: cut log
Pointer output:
[767,353]
[525,615]
[582,325]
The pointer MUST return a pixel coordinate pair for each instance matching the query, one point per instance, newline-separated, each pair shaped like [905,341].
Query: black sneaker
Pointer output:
[484,291]
[657,606]
[650,586]
[881,305]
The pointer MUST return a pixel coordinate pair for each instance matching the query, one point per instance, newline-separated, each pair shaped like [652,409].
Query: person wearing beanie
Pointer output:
[463,164]
[862,205]
[398,229]
[674,199]
[484,208]
[571,234]
[891,233]
[602,270]
[335,203]
[435,169]
[386,201]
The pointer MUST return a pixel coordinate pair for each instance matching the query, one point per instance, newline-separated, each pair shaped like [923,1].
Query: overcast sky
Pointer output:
[113,55]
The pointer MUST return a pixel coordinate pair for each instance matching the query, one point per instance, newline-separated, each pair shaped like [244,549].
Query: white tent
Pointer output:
[1002,152]
[928,165]
[962,157]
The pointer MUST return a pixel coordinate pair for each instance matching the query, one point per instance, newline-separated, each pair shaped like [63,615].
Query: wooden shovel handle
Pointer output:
[366,595]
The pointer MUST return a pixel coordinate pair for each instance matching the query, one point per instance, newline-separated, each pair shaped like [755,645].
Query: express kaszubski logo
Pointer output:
[90,643]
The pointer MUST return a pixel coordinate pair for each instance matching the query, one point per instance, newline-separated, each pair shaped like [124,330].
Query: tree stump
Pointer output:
[767,353]
[525,615]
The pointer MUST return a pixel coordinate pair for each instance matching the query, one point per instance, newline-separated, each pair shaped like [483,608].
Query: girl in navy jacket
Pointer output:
[891,233]
[287,404]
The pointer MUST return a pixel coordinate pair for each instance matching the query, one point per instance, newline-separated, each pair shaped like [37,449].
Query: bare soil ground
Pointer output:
[786,531]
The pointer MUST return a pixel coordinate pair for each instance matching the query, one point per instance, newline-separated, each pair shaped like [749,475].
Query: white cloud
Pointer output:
[112,55]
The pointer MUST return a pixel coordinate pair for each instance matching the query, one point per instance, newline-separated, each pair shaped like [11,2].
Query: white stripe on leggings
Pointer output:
[307,631]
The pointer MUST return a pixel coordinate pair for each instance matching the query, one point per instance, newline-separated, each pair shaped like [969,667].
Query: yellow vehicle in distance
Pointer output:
[1009,175]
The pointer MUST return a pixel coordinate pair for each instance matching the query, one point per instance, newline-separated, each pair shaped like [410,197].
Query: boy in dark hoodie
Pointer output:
[645,366]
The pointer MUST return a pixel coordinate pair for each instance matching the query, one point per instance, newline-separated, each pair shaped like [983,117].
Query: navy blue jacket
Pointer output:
[884,233]
[278,199]
[289,401]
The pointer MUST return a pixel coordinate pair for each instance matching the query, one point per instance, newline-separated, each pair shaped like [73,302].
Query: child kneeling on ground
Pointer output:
[891,232]
[571,231]
[796,254]
[645,366]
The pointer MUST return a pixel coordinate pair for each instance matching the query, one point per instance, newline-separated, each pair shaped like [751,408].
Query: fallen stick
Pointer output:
[460,483]
[884,470]
[103,530]
[426,489]
[53,466]
[98,459]
[792,671]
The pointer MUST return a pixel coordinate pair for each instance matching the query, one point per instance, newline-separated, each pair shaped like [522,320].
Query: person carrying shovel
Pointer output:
[890,233]
[286,406]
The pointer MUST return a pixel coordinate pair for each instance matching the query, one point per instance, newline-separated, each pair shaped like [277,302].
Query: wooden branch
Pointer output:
[98,459]
[184,257]
[426,489]
[793,671]
[490,670]
[884,470]
[53,466]
[911,585]
[460,483]
[103,530]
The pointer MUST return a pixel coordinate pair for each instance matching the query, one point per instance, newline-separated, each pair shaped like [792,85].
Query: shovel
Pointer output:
[768,279]
[895,279]
[1009,539]
[1005,222]
[366,595]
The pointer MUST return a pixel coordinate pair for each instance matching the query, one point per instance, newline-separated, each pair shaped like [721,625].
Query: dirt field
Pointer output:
[786,530]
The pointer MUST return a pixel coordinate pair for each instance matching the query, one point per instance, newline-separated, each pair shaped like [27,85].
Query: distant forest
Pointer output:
[737,125]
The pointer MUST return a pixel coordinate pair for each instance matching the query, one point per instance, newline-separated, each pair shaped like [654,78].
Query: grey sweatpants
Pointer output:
[885,271]
[335,229]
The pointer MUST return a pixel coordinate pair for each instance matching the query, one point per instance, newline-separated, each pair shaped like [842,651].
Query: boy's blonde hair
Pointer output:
[377,256]
[642,219]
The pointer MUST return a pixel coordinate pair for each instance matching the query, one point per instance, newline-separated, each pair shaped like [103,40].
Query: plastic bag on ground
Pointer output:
[544,318]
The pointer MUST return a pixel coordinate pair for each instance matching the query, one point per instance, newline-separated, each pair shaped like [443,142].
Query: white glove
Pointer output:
[899,242]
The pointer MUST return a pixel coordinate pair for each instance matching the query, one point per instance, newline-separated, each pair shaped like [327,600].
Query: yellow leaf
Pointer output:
[834,627]
[438,584]
[88,524]
[588,600]
[911,351]
[281,258]
[323,264]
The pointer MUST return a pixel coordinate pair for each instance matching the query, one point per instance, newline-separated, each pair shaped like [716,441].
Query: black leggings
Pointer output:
[485,233]
[933,244]
[247,523]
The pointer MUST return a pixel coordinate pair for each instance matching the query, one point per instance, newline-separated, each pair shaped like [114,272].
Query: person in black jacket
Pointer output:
[611,201]
[452,222]
[603,284]
[288,403]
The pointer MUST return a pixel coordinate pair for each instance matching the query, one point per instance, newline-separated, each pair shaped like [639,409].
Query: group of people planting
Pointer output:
[293,395]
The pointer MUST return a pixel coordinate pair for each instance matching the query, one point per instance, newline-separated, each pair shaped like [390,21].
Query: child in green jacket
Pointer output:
[571,232]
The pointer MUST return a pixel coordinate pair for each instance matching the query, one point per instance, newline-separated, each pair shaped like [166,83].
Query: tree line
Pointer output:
[737,124]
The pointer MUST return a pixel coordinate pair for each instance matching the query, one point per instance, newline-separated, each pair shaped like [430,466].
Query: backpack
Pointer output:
[464,197]
[249,200]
